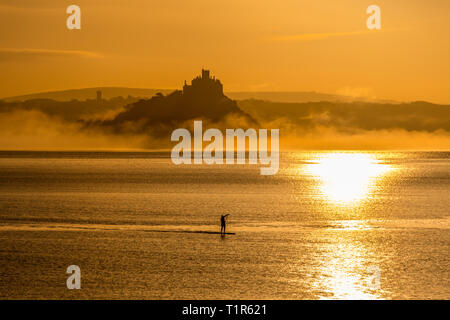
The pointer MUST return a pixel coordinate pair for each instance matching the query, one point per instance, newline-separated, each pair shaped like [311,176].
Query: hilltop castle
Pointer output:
[204,84]
[203,99]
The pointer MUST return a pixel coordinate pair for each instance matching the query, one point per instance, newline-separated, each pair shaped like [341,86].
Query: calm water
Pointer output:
[324,227]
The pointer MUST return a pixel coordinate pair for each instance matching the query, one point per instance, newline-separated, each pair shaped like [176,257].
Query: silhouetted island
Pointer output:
[203,99]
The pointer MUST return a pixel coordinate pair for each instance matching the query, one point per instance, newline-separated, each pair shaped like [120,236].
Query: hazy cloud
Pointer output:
[8,54]
[357,92]
[127,123]
[303,37]
[35,130]
[29,3]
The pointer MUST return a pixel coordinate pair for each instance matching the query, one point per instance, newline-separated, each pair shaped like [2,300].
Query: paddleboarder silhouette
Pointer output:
[223,223]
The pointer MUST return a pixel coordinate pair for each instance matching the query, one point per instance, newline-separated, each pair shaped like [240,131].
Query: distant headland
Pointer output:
[203,99]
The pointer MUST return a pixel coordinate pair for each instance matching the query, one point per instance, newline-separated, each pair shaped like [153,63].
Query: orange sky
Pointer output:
[251,45]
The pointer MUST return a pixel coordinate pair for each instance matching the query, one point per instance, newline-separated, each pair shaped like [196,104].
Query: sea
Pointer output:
[328,225]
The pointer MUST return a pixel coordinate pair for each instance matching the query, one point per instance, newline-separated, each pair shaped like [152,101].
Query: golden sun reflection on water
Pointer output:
[346,178]
[347,275]
[348,268]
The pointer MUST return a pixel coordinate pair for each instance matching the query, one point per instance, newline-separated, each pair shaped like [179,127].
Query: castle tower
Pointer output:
[205,74]
[203,85]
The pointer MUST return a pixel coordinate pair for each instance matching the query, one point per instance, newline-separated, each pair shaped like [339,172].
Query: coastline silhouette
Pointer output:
[102,122]
[202,99]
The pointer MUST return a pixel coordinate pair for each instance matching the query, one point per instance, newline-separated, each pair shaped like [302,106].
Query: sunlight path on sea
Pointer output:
[346,181]
[346,178]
